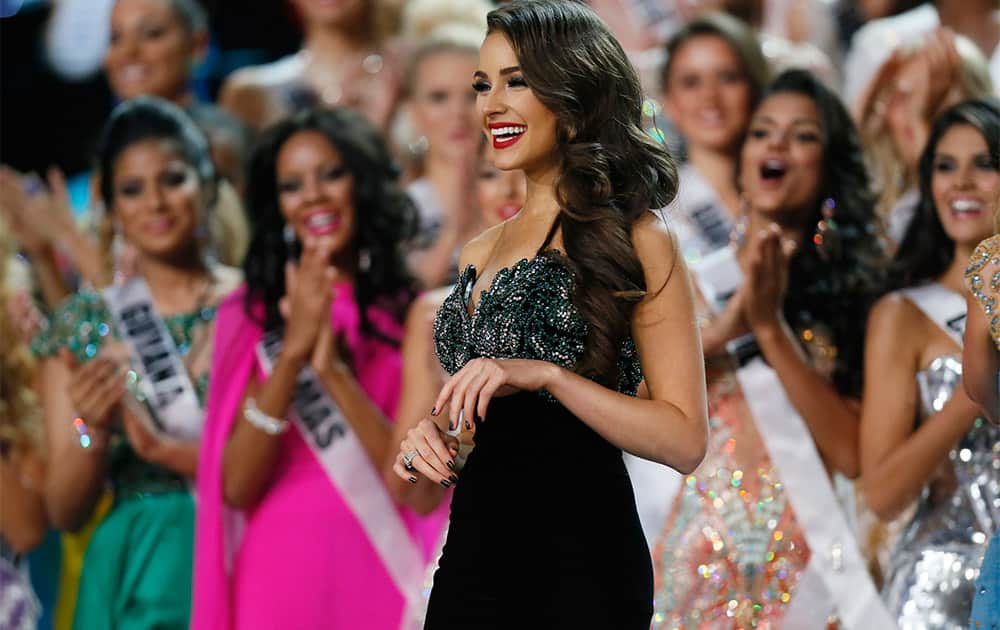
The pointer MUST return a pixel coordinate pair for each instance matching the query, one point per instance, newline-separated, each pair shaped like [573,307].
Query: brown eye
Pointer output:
[130,188]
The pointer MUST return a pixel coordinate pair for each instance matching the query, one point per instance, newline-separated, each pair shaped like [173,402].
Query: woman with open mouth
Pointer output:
[924,442]
[749,535]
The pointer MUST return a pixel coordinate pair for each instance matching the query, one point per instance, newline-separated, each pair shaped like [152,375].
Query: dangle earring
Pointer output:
[122,256]
[827,236]
[738,234]
[364,260]
[290,239]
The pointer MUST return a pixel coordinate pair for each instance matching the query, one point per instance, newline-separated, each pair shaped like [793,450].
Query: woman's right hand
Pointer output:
[308,292]
[435,454]
[95,389]
[729,325]
[39,216]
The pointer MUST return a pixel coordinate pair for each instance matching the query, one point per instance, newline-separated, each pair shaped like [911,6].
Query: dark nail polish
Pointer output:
[451,465]
[434,411]
[446,484]
[454,478]
[413,480]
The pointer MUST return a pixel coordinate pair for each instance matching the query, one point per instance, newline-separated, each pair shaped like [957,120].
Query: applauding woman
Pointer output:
[307,371]
[149,334]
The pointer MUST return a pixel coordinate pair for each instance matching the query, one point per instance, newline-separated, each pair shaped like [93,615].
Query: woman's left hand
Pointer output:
[181,457]
[767,280]
[469,391]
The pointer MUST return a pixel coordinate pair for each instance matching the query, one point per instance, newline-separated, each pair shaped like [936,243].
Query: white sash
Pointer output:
[163,384]
[942,306]
[339,451]
[836,576]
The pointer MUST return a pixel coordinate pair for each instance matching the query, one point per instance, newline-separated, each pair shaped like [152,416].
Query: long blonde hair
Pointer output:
[889,173]
[20,409]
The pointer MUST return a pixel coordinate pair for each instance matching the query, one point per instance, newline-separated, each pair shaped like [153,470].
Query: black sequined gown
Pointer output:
[544,531]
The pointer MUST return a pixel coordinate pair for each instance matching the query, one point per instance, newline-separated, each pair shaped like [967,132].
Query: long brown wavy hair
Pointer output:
[610,172]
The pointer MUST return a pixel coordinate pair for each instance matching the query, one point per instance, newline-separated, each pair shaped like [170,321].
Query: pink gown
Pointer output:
[299,558]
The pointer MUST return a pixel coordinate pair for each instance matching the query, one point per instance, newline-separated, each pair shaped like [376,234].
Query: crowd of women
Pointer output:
[212,356]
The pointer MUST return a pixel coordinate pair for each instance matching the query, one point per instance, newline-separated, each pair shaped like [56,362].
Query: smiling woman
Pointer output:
[308,372]
[923,439]
[547,336]
[158,185]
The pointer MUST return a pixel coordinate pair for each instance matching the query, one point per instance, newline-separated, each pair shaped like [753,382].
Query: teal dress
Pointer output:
[138,565]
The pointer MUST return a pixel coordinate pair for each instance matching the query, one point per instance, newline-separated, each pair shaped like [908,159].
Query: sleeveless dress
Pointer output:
[146,540]
[544,530]
[983,278]
[931,582]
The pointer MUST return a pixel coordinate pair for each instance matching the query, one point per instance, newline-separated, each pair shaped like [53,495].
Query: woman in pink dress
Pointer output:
[295,528]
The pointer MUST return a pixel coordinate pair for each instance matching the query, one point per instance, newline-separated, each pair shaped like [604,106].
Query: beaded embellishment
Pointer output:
[526,313]
[983,277]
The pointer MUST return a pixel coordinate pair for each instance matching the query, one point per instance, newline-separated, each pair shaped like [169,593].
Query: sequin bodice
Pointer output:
[526,313]
[931,578]
[84,325]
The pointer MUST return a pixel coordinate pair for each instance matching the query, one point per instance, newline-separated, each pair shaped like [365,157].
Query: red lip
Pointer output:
[503,143]
[506,211]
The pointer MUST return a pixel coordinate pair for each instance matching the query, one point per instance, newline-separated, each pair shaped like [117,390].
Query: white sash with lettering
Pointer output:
[164,383]
[836,576]
[942,306]
[340,453]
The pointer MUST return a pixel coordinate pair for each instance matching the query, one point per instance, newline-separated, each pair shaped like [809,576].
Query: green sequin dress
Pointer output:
[138,565]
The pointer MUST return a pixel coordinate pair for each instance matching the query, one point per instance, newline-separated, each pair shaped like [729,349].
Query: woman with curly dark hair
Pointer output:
[924,441]
[307,372]
[784,305]
[560,312]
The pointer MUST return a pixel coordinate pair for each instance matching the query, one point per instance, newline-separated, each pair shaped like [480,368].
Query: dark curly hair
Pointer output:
[926,249]
[610,173]
[836,293]
[385,217]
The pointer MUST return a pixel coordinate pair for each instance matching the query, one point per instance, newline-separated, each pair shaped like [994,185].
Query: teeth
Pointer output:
[507,131]
[321,220]
[966,205]
[133,73]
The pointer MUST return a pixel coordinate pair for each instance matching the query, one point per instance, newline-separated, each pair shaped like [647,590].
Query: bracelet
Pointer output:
[267,424]
[86,434]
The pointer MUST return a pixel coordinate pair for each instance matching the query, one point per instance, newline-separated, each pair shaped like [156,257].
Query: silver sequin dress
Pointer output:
[935,564]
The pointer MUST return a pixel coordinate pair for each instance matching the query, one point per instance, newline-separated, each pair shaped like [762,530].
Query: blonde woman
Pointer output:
[895,114]
[22,508]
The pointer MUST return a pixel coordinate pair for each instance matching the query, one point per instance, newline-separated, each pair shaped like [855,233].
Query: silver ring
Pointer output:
[408,458]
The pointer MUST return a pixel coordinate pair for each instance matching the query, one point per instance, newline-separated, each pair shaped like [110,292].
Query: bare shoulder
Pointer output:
[656,247]
[478,249]
[894,322]
[426,306]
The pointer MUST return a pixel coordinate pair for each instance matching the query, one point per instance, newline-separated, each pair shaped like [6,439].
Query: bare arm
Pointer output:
[241,97]
[22,505]
[897,460]
[366,419]
[421,383]
[250,454]
[671,426]
[981,363]
[832,419]
[73,487]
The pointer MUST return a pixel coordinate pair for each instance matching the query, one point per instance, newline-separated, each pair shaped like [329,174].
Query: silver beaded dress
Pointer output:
[935,564]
